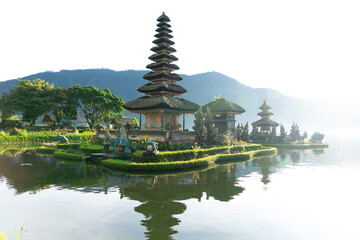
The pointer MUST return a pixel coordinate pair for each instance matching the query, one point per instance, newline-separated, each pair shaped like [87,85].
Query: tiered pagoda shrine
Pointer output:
[161,104]
[265,123]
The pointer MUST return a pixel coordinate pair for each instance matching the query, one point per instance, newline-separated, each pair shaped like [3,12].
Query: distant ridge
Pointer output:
[202,88]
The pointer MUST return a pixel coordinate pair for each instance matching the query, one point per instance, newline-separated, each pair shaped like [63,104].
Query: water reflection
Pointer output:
[161,197]
[265,165]
[28,172]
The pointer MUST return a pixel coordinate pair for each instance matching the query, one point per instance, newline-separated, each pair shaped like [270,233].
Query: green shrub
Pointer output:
[252,147]
[185,155]
[45,150]
[157,167]
[75,145]
[185,165]
[317,137]
[43,137]
[15,132]
[70,156]
[63,146]
[92,149]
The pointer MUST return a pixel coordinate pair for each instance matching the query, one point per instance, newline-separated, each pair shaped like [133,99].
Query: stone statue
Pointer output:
[62,139]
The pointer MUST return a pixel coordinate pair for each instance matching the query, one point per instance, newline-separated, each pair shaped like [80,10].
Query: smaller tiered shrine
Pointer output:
[265,123]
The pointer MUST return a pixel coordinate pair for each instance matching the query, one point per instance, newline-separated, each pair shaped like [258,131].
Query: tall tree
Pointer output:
[31,99]
[62,107]
[6,110]
[245,134]
[98,105]
[295,132]
[199,124]
[283,133]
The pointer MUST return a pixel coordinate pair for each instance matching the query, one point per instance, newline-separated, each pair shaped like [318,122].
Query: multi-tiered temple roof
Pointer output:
[265,122]
[162,88]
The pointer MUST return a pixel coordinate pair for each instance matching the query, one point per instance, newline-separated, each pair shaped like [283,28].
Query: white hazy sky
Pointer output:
[307,48]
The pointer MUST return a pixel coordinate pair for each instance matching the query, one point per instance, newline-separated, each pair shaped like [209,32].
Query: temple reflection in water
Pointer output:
[161,197]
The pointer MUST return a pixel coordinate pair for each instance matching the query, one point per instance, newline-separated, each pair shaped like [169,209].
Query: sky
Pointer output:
[307,48]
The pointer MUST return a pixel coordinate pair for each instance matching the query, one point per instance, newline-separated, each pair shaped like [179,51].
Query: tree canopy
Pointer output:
[31,99]
[98,105]
[34,98]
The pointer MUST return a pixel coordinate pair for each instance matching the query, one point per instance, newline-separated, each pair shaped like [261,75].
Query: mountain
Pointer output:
[202,88]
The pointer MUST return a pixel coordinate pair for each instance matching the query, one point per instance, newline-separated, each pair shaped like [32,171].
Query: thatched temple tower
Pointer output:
[160,105]
[265,123]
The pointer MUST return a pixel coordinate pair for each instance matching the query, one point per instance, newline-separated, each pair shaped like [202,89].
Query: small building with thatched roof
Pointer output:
[223,112]
[123,121]
[265,123]
[80,120]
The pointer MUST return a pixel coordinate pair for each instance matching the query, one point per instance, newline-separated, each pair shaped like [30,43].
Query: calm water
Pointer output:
[310,194]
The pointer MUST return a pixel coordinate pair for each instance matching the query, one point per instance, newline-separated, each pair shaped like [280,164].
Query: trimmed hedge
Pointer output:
[45,150]
[157,167]
[36,138]
[92,149]
[70,145]
[185,155]
[185,165]
[69,156]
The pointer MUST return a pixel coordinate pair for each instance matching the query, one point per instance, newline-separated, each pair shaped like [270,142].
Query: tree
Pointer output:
[238,131]
[62,107]
[254,132]
[295,132]
[209,124]
[199,124]
[283,133]
[6,110]
[273,132]
[317,137]
[31,99]
[305,134]
[98,105]
[245,133]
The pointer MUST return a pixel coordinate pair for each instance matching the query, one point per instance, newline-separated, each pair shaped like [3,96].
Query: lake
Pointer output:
[311,194]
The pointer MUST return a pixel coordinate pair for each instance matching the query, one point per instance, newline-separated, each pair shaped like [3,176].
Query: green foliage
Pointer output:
[70,156]
[31,99]
[61,105]
[15,132]
[194,154]
[224,139]
[70,145]
[155,167]
[92,149]
[204,126]
[188,164]
[45,150]
[242,132]
[43,137]
[6,107]
[283,133]
[177,146]
[295,132]
[317,137]
[98,105]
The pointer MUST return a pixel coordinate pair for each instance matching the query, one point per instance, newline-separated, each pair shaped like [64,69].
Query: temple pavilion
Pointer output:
[223,112]
[161,104]
[265,123]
